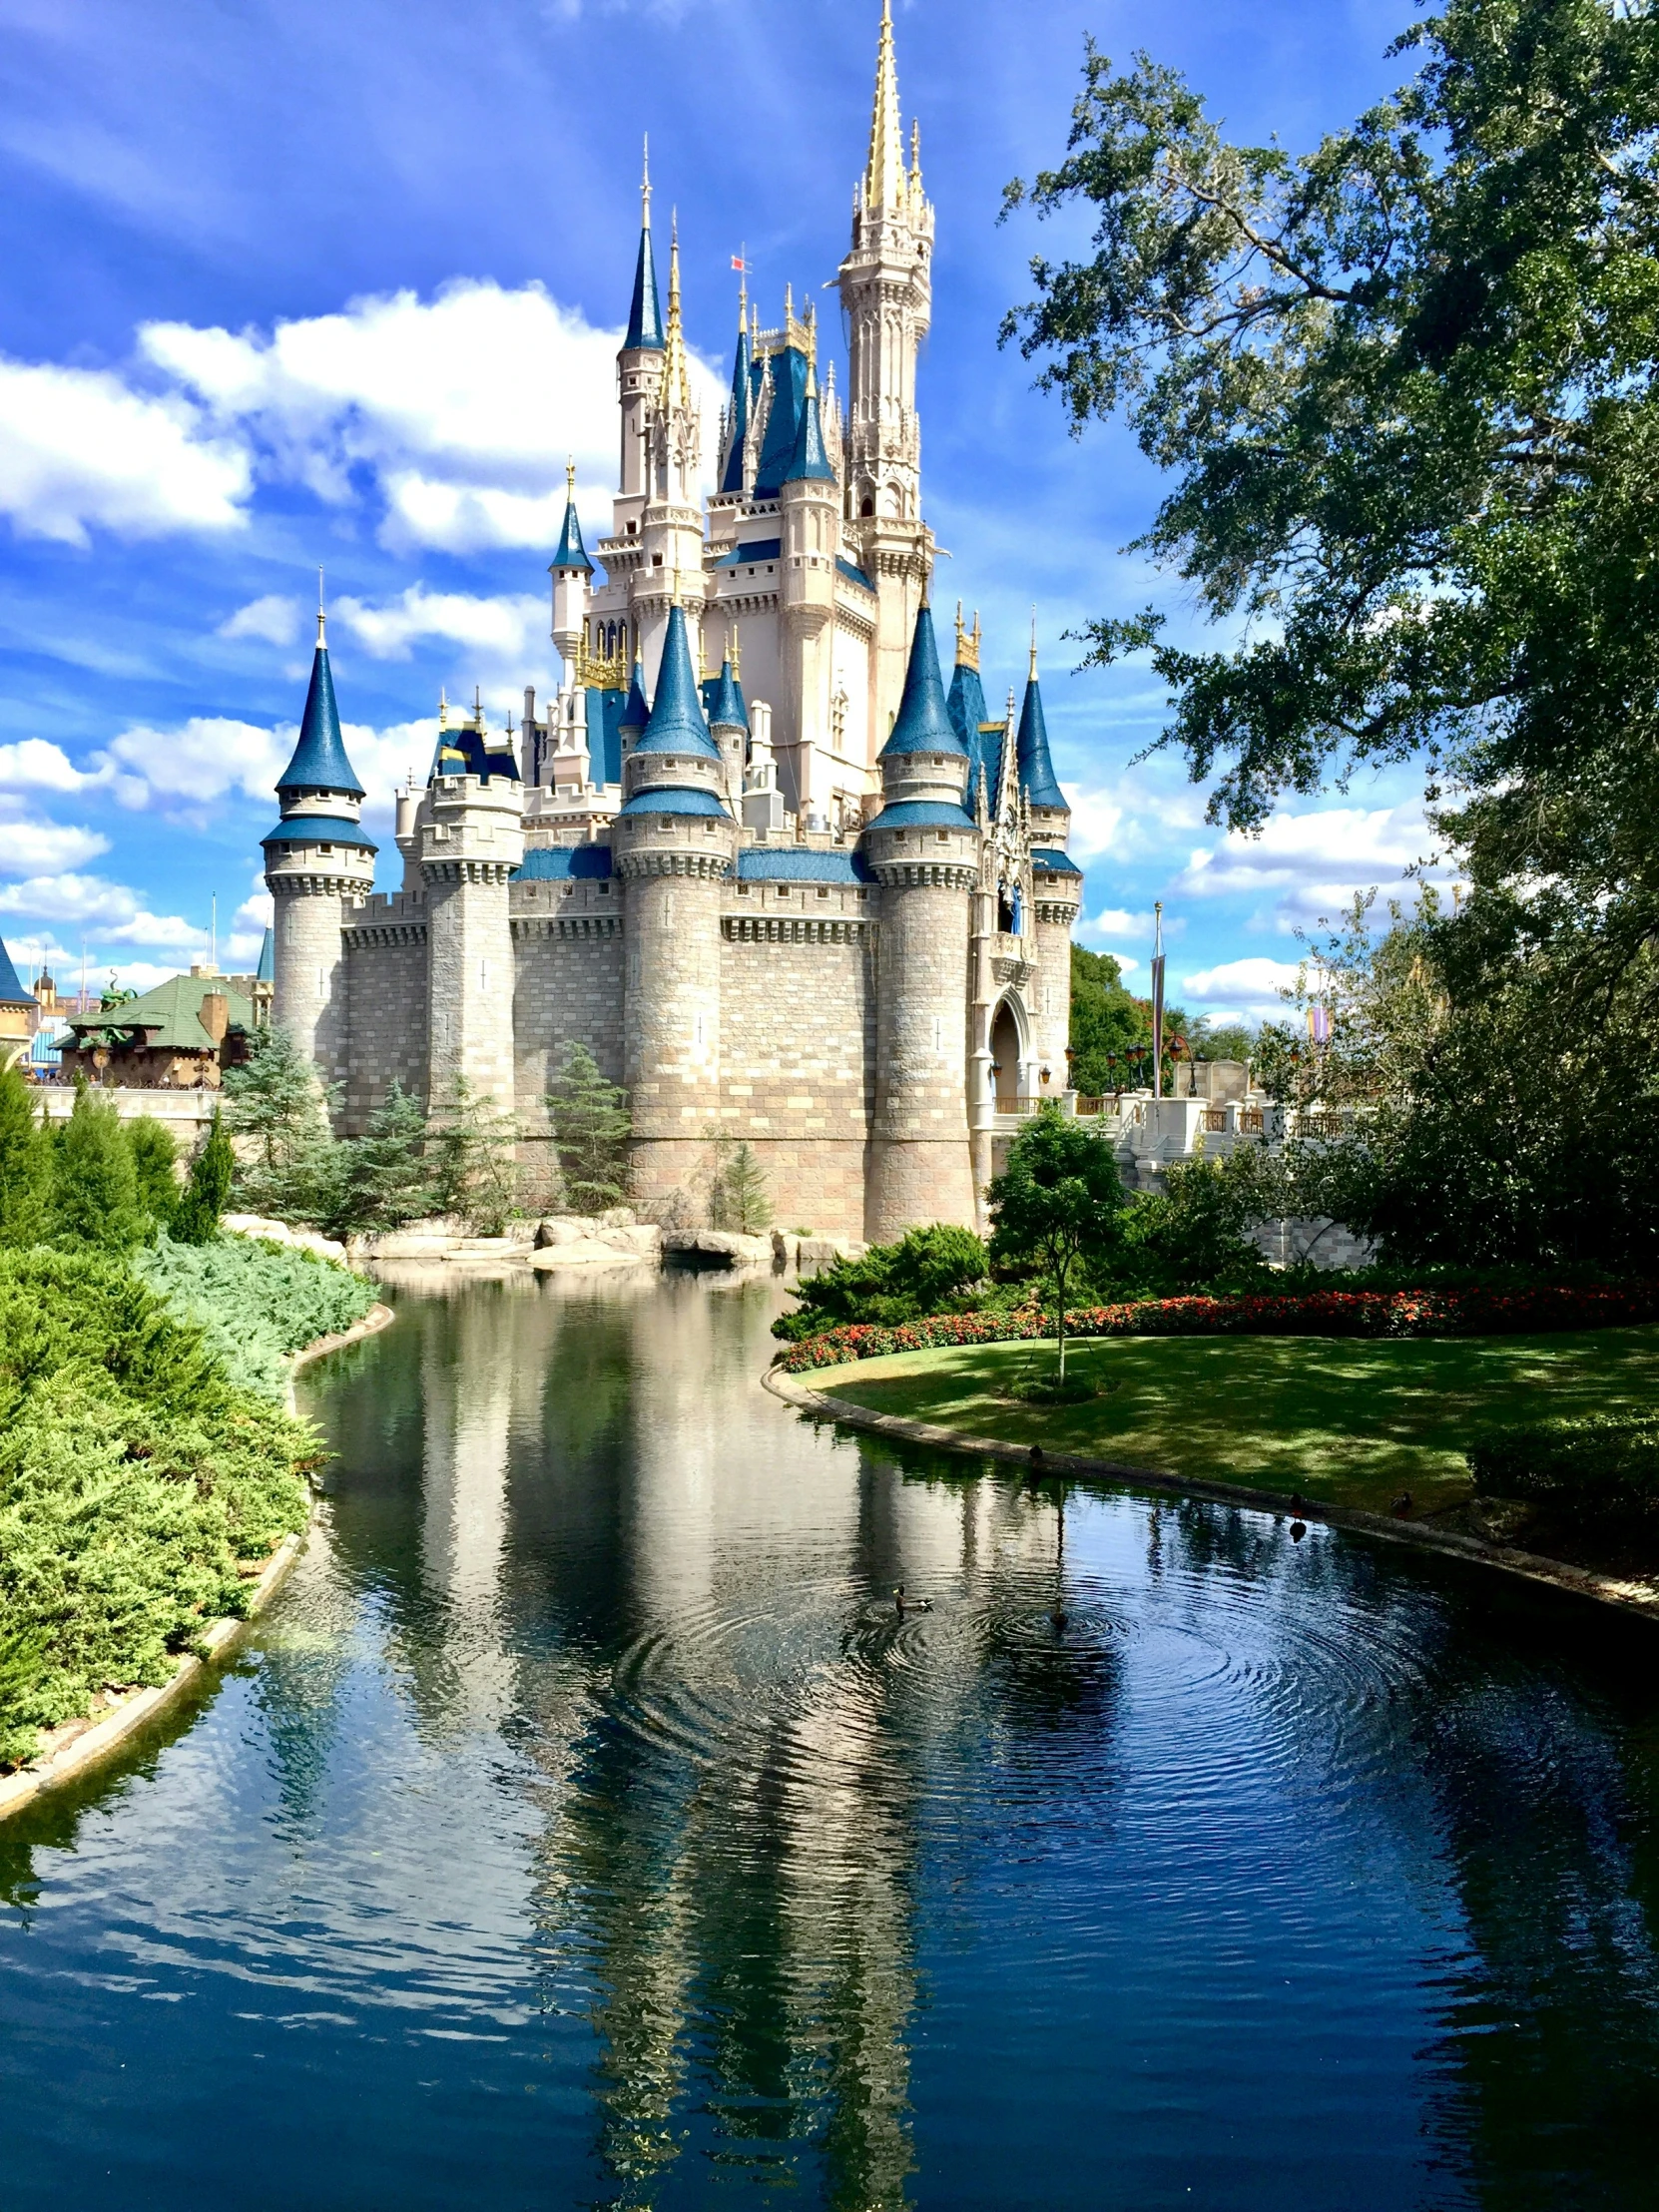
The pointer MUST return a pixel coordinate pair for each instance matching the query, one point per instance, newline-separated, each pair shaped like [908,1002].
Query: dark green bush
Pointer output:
[891,1283]
[1601,1472]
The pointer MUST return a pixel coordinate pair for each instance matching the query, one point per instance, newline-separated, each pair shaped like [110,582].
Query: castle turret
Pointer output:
[471,828]
[728,726]
[639,373]
[1056,888]
[886,292]
[735,428]
[572,573]
[671,522]
[923,851]
[318,861]
[674,845]
[810,499]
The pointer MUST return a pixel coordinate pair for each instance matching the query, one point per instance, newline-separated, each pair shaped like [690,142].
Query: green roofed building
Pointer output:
[179,1036]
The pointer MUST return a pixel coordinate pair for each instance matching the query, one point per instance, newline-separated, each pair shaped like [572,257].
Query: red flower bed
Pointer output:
[1427,1313]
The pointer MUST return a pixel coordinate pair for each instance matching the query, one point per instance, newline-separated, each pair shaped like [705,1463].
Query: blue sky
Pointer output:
[289,283]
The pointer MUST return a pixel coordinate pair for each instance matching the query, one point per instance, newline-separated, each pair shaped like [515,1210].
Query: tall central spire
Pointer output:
[645,318]
[885,174]
[676,369]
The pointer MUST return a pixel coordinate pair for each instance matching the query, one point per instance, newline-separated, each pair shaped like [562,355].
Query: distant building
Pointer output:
[17,1012]
[179,1036]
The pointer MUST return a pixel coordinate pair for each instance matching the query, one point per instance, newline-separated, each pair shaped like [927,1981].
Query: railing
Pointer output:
[1250,1121]
[1323,1128]
[1214,1120]
[1088,1105]
[1009,1103]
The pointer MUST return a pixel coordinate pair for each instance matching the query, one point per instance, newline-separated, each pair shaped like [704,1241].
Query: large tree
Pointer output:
[1405,387]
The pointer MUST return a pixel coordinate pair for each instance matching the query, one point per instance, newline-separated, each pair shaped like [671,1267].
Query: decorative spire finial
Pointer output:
[443,707]
[1032,676]
[645,184]
[885,174]
[321,618]
[570,476]
[676,369]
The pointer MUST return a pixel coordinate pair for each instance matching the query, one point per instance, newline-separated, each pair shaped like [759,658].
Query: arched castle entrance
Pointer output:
[1010,1053]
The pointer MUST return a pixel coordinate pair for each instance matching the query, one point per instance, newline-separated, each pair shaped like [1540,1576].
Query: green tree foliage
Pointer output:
[1111,1030]
[196,1217]
[93,1187]
[1405,388]
[1226,1041]
[925,1272]
[473,1145]
[1191,1235]
[155,1157]
[591,1129]
[25,1164]
[135,1481]
[381,1179]
[738,1198]
[276,1109]
[1057,1203]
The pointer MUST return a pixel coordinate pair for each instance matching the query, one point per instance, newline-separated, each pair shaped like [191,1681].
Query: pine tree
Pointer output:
[741,1193]
[591,1129]
[196,1218]
[94,1188]
[25,1164]
[277,1100]
[154,1157]
[474,1147]
[386,1181]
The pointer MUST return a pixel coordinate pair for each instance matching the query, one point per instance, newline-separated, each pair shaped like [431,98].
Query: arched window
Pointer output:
[867,505]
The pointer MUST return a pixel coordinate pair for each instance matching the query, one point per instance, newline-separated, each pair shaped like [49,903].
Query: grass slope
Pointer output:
[1346,1419]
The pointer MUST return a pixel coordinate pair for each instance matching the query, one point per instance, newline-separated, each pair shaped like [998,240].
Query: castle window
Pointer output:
[944,835]
[866,506]
[656,560]
[743,890]
[325,849]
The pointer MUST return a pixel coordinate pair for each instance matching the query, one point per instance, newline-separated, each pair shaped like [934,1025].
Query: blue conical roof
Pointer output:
[1037,769]
[320,762]
[645,316]
[732,480]
[265,972]
[635,713]
[810,463]
[789,395]
[967,707]
[726,707]
[12,992]
[572,553]
[923,723]
[677,723]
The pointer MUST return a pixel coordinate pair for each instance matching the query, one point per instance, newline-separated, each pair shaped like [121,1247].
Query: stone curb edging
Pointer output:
[1633,1598]
[132,1713]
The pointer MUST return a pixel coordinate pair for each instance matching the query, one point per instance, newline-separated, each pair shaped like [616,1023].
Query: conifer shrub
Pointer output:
[95,1198]
[253,1302]
[591,1129]
[155,1160]
[139,1486]
[926,1272]
[25,1165]
[196,1217]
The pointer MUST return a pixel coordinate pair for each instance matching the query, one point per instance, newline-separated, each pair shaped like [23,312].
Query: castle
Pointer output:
[812,902]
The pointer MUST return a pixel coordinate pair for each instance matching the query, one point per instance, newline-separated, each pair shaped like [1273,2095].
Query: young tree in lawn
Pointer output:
[25,1164]
[94,1189]
[155,1156]
[591,1129]
[1058,1200]
[197,1216]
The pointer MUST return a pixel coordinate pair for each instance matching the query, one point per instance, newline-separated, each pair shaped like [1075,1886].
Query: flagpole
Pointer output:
[1158,1000]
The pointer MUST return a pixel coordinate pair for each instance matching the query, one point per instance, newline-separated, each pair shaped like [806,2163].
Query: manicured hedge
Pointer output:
[1599,1472]
[255,1302]
[1421,1313]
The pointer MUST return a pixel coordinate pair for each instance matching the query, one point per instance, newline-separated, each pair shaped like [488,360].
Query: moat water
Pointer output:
[583,1827]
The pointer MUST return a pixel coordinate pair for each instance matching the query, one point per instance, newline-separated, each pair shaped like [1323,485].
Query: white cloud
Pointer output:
[460,409]
[1313,864]
[274,619]
[35,763]
[116,915]
[506,629]
[30,846]
[1096,818]
[209,756]
[1116,921]
[79,447]
[1249,988]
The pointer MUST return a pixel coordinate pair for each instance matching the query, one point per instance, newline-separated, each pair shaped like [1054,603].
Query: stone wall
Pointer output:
[568,968]
[386,991]
[798,1049]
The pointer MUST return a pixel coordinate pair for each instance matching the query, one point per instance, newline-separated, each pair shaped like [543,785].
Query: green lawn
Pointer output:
[1338,1417]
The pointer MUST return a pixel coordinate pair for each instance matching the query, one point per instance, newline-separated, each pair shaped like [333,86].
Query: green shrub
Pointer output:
[196,1214]
[891,1283]
[93,1185]
[1601,1472]
[253,1302]
[137,1485]
[155,1157]
[25,1164]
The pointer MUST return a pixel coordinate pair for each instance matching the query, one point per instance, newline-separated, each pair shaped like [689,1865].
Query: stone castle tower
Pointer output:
[814,902]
